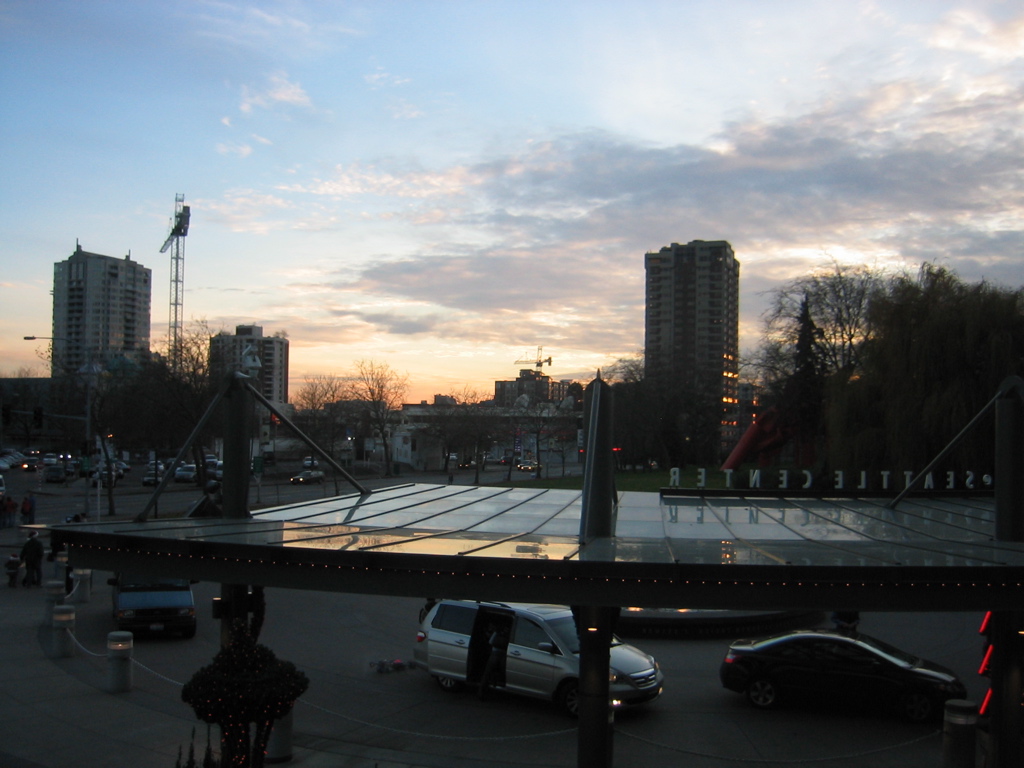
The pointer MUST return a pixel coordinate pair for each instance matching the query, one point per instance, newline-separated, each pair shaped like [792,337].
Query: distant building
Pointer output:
[227,353]
[101,308]
[538,387]
[692,321]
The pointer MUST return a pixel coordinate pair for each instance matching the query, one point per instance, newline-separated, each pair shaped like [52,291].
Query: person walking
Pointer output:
[28,509]
[32,553]
[8,511]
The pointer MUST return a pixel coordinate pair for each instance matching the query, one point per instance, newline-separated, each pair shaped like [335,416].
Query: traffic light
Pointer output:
[37,416]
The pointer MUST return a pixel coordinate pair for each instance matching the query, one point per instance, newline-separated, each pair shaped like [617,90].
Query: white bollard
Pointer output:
[63,626]
[959,730]
[119,661]
[60,565]
[279,745]
[54,597]
[83,585]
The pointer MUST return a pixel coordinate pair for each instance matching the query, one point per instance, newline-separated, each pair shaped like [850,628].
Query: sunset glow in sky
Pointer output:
[446,186]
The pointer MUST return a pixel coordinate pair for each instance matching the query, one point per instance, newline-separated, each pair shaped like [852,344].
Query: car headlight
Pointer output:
[128,613]
[614,676]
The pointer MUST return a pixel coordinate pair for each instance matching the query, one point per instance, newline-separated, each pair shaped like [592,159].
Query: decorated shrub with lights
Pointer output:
[245,685]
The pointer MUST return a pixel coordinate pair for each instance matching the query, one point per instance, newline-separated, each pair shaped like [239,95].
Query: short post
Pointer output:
[959,728]
[83,585]
[279,745]
[119,662]
[63,626]
[60,564]
[54,597]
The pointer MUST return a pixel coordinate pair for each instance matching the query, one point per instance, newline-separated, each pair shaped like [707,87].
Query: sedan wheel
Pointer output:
[917,707]
[762,693]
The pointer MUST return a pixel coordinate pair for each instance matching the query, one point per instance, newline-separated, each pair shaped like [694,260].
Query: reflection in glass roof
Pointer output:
[544,524]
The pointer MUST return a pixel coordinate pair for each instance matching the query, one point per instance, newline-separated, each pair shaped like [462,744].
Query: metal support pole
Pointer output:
[595,748]
[1007,720]
[596,624]
[119,662]
[63,626]
[235,489]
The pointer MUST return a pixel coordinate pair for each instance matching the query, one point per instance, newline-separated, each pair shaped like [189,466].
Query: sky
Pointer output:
[445,187]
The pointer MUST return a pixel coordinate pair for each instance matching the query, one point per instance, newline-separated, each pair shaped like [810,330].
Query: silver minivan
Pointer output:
[542,659]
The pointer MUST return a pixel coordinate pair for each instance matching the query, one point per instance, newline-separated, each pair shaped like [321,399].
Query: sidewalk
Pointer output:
[57,713]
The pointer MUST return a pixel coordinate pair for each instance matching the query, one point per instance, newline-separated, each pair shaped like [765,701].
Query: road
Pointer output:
[336,639]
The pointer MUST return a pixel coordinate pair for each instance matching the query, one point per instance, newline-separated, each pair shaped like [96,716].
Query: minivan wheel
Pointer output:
[762,693]
[568,697]
[449,684]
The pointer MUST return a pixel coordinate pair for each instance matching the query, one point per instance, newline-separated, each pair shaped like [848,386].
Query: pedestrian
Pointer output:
[28,509]
[11,567]
[32,553]
[8,510]
[493,670]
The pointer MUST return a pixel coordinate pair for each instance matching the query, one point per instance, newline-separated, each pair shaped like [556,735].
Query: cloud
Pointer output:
[279,90]
[551,239]
[242,150]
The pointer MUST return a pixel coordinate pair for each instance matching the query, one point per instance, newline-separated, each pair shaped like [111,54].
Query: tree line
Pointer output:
[857,367]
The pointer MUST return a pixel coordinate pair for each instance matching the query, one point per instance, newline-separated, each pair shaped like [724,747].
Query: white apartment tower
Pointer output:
[100,311]
[692,320]
[227,352]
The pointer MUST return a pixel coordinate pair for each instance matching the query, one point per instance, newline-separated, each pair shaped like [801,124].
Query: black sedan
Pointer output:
[822,666]
[307,477]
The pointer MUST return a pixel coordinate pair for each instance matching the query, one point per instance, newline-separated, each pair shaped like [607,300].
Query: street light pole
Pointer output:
[88,419]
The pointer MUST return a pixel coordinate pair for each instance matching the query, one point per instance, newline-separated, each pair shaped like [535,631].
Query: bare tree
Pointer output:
[836,301]
[379,391]
[322,410]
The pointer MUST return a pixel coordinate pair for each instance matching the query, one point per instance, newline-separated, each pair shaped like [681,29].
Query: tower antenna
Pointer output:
[176,242]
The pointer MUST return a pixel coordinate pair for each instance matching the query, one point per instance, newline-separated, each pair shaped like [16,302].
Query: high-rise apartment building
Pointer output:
[227,354]
[538,388]
[100,311]
[692,321]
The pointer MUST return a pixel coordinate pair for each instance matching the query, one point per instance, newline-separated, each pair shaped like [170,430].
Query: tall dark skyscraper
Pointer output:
[691,326]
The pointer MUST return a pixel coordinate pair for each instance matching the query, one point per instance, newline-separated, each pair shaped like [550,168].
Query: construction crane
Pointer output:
[538,362]
[176,242]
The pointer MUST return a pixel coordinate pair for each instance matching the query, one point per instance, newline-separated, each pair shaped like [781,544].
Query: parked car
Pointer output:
[310,463]
[54,473]
[828,666]
[152,604]
[49,459]
[542,659]
[186,473]
[308,477]
[151,477]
